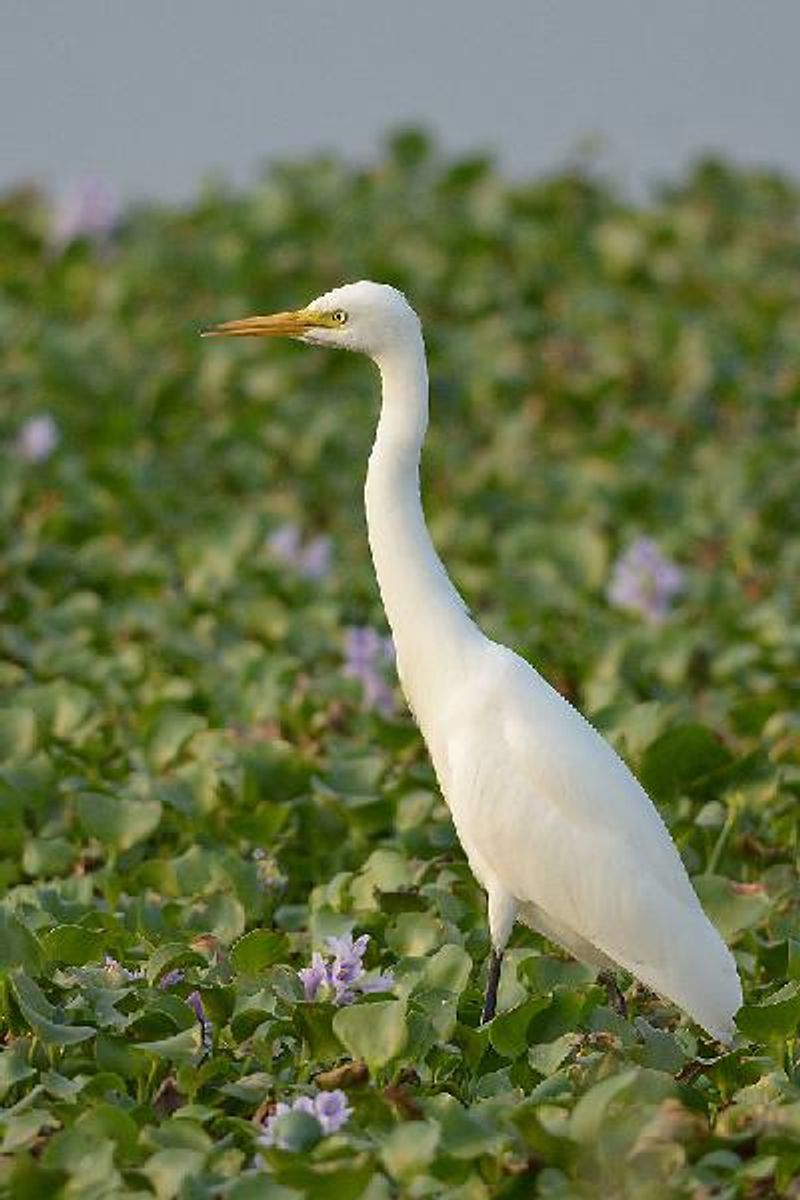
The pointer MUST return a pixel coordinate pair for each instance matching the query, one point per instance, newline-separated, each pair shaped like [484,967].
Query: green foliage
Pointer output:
[193,796]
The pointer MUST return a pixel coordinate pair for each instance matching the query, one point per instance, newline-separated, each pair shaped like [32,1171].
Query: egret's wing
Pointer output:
[554,816]
[565,759]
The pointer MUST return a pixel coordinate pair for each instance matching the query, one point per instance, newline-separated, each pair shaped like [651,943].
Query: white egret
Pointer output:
[554,825]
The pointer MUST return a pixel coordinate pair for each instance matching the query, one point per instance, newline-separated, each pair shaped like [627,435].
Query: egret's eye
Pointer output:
[339,316]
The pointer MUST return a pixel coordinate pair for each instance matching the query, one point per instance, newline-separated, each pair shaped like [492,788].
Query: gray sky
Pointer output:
[152,95]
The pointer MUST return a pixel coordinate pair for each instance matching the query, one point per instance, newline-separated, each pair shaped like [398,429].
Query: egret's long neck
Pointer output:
[428,619]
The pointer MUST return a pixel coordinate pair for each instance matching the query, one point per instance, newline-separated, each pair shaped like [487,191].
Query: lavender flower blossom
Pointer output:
[315,978]
[330,1109]
[342,978]
[310,560]
[195,1002]
[366,654]
[643,581]
[171,979]
[87,209]
[37,439]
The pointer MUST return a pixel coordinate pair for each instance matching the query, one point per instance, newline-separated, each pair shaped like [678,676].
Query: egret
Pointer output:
[555,827]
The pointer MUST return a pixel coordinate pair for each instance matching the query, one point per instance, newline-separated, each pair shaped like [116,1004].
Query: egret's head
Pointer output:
[369,317]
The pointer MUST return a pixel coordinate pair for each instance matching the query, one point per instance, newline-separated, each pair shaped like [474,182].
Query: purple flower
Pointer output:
[644,581]
[347,966]
[366,655]
[37,439]
[340,979]
[195,1002]
[87,209]
[315,978]
[382,982]
[310,560]
[316,560]
[330,1109]
[172,979]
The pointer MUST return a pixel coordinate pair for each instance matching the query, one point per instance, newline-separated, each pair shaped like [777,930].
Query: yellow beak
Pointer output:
[282,324]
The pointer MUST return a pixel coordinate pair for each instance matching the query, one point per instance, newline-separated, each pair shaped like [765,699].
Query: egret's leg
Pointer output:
[502,914]
[492,981]
[616,1000]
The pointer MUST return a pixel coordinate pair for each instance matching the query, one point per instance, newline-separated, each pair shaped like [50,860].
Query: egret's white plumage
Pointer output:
[554,825]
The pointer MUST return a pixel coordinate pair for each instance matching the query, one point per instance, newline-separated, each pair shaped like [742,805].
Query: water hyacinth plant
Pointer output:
[645,581]
[330,1109]
[310,560]
[342,977]
[366,657]
[37,439]
[195,1002]
[186,784]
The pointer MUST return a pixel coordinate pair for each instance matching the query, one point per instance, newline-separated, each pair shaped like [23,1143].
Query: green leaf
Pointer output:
[168,1170]
[508,1031]
[547,1057]
[636,1087]
[117,822]
[42,1017]
[449,968]
[18,946]
[48,856]
[168,957]
[544,973]
[376,1033]
[17,733]
[88,1159]
[71,944]
[120,1057]
[315,1024]
[465,1133]
[23,1128]
[258,1187]
[732,906]
[680,760]
[297,1131]
[590,1111]
[14,1065]
[221,914]
[409,1149]
[793,958]
[179,1048]
[108,1122]
[170,734]
[413,933]
[661,1050]
[258,949]
[62,705]
[778,1016]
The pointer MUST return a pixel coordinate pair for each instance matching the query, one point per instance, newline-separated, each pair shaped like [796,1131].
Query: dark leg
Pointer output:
[616,1000]
[492,980]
